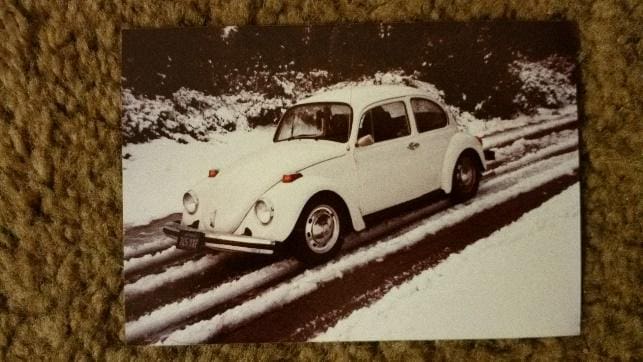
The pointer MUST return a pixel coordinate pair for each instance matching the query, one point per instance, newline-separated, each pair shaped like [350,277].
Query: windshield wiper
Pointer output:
[313,136]
[302,136]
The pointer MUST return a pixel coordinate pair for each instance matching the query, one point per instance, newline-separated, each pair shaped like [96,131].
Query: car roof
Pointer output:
[361,96]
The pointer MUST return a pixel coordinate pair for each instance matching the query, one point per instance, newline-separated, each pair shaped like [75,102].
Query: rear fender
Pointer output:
[459,143]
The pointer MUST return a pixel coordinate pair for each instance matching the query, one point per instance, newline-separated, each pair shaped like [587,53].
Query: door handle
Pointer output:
[413,145]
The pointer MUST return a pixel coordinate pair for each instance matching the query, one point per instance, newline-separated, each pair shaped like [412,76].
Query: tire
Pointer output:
[319,232]
[466,178]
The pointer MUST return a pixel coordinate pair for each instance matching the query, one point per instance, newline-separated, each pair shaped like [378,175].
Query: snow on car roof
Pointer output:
[361,96]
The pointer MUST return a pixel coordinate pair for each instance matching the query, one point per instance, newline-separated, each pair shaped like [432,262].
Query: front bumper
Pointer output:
[224,242]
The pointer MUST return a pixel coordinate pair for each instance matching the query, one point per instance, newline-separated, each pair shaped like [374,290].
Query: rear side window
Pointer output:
[428,115]
[385,122]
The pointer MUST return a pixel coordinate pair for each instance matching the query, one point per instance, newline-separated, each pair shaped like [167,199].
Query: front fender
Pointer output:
[289,199]
[459,143]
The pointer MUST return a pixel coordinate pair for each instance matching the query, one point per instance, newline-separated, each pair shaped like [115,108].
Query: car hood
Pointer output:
[238,186]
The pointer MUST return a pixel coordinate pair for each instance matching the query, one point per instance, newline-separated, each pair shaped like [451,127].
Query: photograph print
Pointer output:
[351,182]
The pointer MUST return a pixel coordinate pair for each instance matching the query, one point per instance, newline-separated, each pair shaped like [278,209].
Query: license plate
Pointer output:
[189,240]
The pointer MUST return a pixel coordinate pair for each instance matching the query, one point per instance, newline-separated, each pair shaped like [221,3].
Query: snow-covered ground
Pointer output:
[524,280]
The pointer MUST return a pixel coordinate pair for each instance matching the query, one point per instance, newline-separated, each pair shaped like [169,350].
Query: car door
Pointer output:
[434,134]
[385,157]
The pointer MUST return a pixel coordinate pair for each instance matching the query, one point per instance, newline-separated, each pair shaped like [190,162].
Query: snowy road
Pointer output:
[173,297]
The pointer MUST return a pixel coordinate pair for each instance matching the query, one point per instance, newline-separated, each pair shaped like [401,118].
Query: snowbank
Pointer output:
[547,82]
[191,114]
[521,281]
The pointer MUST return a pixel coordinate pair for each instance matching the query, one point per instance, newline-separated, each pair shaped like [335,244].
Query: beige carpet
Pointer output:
[60,175]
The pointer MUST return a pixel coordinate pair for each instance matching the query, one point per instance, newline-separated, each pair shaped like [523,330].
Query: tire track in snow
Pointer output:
[543,153]
[530,131]
[188,281]
[174,313]
[151,282]
[135,266]
[151,247]
[146,239]
[523,146]
[566,113]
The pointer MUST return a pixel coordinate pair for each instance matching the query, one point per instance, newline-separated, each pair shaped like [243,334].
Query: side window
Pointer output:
[428,115]
[385,122]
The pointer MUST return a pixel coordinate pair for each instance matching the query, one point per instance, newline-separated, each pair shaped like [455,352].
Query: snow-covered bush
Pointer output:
[145,119]
[282,83]
[546,83]
[193,113]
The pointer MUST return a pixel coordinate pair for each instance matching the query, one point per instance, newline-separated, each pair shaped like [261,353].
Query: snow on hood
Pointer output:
[236,188]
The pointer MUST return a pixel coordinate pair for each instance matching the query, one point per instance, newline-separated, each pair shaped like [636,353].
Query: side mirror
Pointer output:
[365,141]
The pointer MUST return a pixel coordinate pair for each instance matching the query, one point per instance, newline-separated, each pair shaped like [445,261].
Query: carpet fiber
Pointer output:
[60,174]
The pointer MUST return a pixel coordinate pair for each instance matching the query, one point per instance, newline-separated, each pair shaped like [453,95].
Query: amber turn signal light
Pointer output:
[291,177]
[213,172]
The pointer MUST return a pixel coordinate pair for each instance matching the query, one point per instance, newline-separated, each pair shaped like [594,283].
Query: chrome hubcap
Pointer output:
[322,229]
[465,174]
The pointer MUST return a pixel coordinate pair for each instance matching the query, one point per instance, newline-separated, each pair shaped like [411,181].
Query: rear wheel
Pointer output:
[318,234]
[466,178]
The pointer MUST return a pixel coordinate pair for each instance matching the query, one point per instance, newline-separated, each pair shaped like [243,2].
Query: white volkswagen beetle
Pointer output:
[336,157]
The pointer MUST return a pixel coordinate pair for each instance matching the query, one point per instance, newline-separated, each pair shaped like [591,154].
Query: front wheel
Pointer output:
[318,234]
[466,178]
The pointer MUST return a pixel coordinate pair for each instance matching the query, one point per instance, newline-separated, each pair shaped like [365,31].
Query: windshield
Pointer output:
[323,121]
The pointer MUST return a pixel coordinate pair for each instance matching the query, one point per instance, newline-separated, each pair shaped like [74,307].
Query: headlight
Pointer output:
[190,202]
[264,211]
